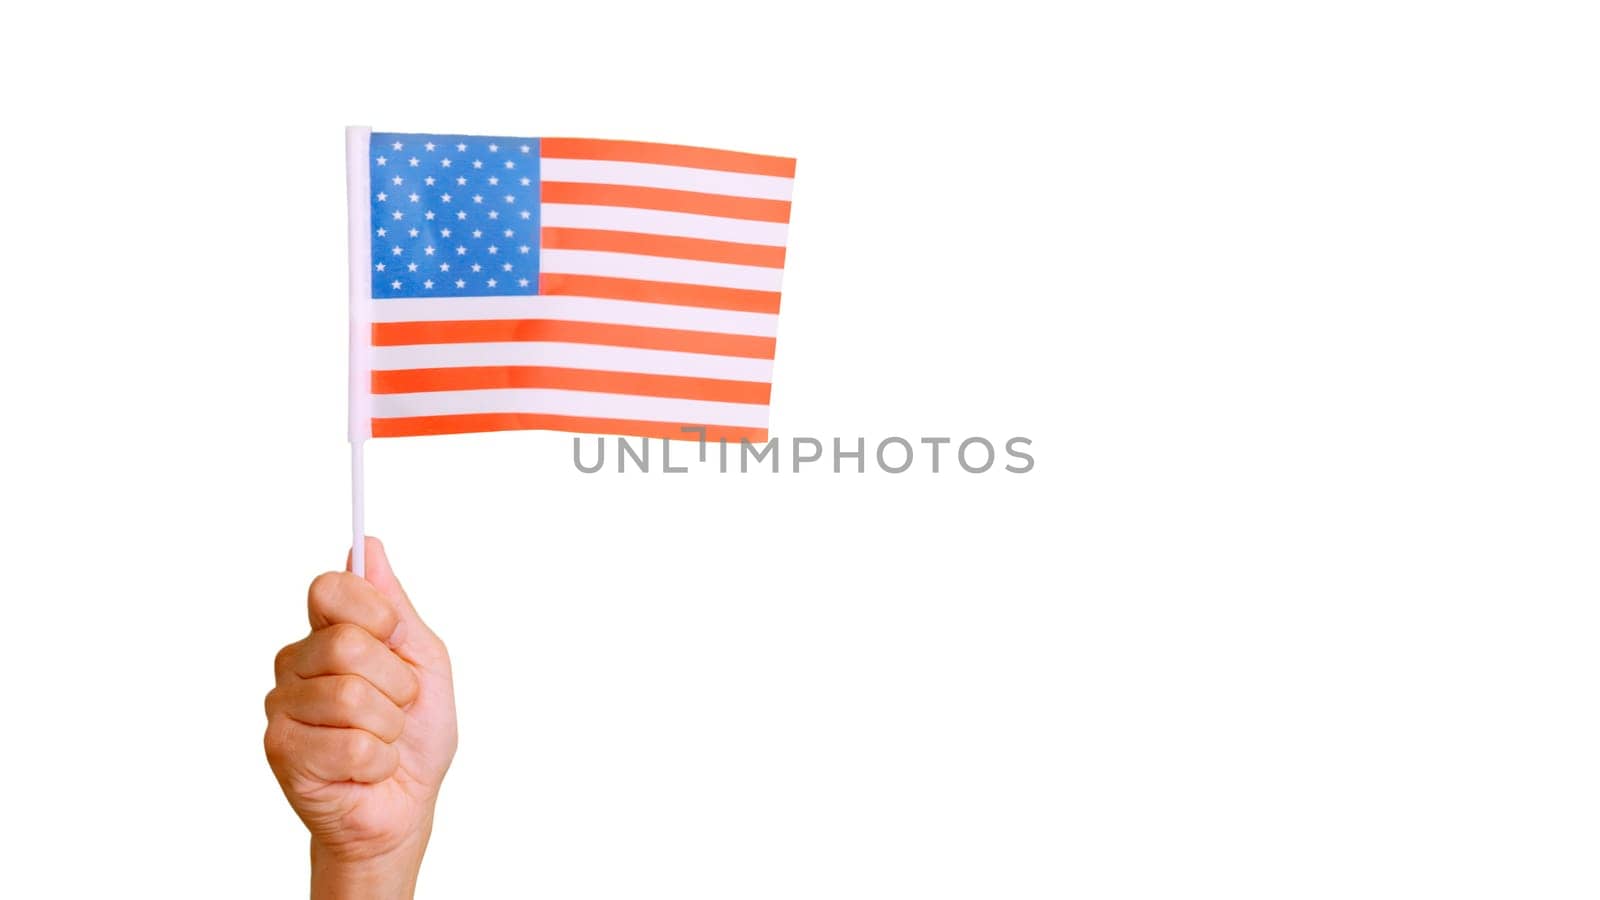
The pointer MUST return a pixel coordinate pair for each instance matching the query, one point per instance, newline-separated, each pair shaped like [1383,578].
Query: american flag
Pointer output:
[598,286]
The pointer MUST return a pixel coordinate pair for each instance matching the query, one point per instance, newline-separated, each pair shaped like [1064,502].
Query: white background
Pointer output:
[1296,301]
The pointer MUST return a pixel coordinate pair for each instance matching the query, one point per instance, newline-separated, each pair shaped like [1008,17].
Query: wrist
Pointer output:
[337,875]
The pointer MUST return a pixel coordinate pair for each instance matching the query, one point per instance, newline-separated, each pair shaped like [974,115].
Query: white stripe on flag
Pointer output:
[655,221]
[659,268]
[548,401]
[597,357]
[678,178]
[578,309]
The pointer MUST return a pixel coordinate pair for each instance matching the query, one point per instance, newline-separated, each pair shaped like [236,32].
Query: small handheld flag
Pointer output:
[598,286]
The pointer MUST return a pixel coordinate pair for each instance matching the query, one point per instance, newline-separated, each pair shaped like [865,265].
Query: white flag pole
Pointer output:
[356,141]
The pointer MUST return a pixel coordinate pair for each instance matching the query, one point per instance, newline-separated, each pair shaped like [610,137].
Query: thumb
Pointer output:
[412,632]
[380,574]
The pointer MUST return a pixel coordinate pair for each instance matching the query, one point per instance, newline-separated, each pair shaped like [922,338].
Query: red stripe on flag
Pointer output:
[665,199]
[667,155]
[411,426]
[483,331]
[662,245]
[472,378]
[739,299]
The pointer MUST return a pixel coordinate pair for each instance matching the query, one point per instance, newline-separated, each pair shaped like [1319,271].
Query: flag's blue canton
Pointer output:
[454,215]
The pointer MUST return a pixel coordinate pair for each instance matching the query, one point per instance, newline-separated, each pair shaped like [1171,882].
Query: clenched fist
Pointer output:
[360,730]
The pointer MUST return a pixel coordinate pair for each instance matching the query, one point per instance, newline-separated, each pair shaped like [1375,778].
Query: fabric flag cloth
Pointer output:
[596,286]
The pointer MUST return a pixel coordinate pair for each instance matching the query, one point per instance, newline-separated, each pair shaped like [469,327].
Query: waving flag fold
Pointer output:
[598,286]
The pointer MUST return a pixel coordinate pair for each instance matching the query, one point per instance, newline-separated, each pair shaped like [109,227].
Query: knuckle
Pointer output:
[324,588]
[349,692]
[387,619]
[284,659]
[346,644]
[361,750]
[276,741]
